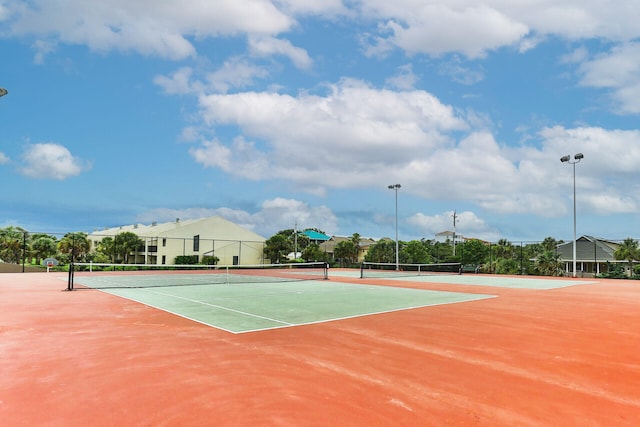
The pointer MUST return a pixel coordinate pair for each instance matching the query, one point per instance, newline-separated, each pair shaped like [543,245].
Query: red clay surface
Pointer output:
[563,357]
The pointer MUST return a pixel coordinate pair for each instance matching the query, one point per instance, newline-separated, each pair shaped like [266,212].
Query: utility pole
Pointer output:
[295,239]
[454,232]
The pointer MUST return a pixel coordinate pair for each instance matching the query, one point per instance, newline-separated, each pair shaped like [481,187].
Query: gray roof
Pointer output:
[588,249]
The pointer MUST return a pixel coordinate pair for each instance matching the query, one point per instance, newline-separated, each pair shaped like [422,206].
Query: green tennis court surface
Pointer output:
[472,279]
[239,308]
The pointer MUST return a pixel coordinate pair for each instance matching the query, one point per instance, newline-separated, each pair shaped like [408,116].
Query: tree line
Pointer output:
[503,257]
[19,246]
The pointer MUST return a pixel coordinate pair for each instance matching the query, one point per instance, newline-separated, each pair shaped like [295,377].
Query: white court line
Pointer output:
[223,308]
[282,324]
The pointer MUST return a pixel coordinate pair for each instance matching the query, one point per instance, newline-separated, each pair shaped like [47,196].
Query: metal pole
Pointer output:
[397,250]
[576,159]
[454,233]
[396,187]
[574,220]
[24,248]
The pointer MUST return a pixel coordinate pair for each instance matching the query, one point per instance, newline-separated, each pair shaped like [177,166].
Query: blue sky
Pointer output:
[283,113]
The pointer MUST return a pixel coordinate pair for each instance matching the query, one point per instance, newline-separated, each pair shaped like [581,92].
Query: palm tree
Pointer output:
[108,248]
[126,243]
[344,251]
[12,241]
[549,244]
[382,251]
[43,246]
[355,239]
[629,251]
[277,247]
[504,249]
[548,263]
[77,245]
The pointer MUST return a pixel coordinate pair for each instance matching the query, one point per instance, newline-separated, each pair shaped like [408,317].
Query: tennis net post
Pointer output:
[71,277]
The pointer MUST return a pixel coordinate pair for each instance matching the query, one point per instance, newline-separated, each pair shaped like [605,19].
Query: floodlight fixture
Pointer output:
[576,159]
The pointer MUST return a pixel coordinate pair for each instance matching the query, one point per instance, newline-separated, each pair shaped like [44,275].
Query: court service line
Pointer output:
[224,308]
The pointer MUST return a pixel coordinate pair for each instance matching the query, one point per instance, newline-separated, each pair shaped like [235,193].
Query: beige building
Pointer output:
[213,236]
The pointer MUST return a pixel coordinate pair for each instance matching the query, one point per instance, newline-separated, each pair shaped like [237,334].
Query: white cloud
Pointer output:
[529,42]
[236,72]
[270,46]
[179,82]
[314,7]
[4,13]
[618,70]
[274,215]
[355,134]
[150,27]
[241,158]
[343,139]
[43,48]
[460,73]
[576,19]
[438,27]
[605,204]
[189,134]
[576,56]
[464,26]
[286,213]
[51,161]
[3,158]
[605,177]
[165,28]
[171,28]
[468,224]
[405,78]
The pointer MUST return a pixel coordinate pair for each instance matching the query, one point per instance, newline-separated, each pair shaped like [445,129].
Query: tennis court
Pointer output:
[250,307]
[530,356]
[517,282]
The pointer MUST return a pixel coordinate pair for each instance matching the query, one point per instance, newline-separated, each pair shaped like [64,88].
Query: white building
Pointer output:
[213,236]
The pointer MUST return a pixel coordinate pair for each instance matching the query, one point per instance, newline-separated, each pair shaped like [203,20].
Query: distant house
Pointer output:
[592,255]
[446,236]
[212,236]
[363,247]
[316,237]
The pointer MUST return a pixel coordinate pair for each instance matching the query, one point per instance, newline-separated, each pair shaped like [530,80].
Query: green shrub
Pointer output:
[186,259]
[210,260]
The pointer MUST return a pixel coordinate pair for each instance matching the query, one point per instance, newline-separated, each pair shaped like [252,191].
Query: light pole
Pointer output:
[576,159]
[396,187]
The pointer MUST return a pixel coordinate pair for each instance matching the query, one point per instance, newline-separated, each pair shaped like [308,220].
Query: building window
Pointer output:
[164,259]
[196,243]
[164,242]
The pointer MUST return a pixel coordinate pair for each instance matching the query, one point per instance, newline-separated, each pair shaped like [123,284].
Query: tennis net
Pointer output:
[109,276]
[383,269]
